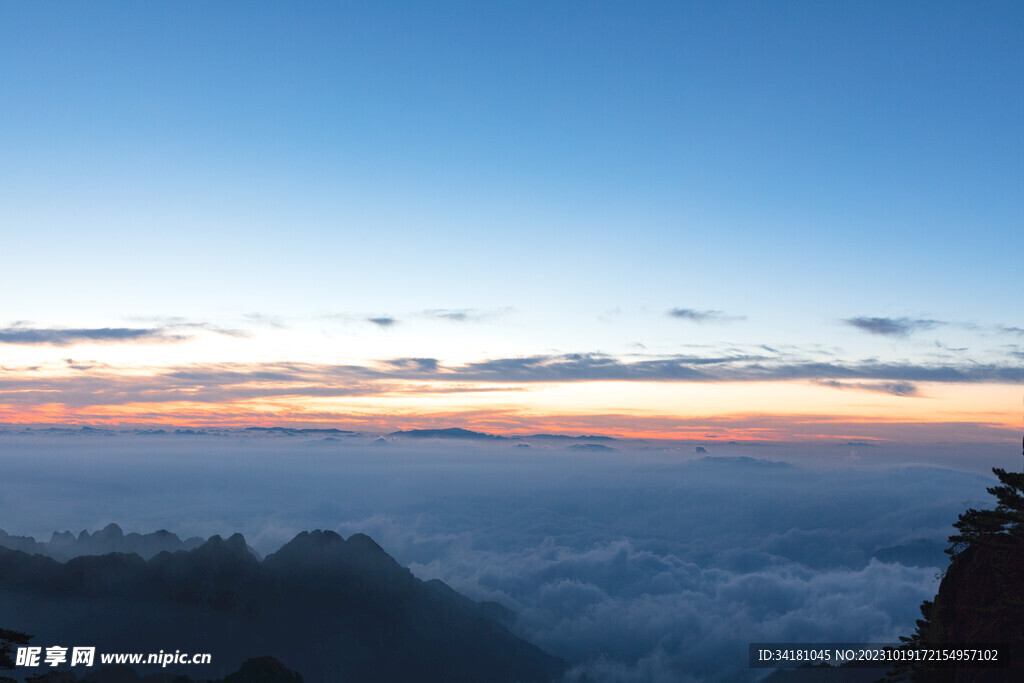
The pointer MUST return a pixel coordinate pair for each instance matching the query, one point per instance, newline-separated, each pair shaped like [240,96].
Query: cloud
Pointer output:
[463,315]
[582,367]
[723,368]
[210,327]
[628,594]
[892,327]
[694,315]
[225,382]
[947,347]
[265,320]
[454,315]
[640,568]
[417,364]
[64,336]
[894,388]
[83,365]
[169,323]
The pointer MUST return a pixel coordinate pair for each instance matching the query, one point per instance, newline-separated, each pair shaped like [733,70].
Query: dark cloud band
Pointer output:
[892,327]
[63,337]
[217,382]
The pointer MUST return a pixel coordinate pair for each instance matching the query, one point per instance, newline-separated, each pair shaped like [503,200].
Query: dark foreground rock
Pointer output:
[334,609]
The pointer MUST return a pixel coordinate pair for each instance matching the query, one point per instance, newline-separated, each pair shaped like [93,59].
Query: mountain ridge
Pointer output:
[335,609]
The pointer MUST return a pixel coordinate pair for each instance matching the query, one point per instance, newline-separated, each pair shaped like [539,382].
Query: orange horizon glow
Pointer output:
[741,427]
[780,410]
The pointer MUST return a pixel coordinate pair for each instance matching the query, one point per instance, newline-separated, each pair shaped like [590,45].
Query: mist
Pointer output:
[647,561]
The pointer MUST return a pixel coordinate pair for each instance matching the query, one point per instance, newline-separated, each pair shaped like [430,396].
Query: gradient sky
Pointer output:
[785,220]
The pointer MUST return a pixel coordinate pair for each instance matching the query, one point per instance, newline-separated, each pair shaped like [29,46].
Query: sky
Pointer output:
[735,220]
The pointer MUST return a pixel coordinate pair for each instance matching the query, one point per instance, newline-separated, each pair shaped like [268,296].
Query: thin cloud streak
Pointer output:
[464,315]
[892,327]
[458,316]
[265,320]
[67,336]
[892,388]
[698,316]
[172,331]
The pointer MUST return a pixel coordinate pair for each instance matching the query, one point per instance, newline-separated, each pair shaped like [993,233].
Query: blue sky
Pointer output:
[560,175]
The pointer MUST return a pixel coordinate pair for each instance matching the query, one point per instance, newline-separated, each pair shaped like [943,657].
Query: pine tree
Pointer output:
[8,639]
[980,526]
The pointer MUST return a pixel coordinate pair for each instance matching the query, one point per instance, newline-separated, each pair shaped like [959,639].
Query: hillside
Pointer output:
[334,609]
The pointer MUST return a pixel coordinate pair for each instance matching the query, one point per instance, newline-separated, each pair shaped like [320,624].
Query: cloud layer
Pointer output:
[638,565]
[213,382]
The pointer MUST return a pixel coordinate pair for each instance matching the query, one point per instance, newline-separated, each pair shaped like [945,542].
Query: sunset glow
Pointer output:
[679,242]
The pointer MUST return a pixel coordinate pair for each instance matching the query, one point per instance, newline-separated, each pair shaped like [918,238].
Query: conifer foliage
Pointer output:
[980,526]
[8,641]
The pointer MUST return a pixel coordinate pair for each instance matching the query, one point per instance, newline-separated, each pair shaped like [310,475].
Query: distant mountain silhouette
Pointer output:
[468,434]
[449,433]
[294,431]
[564,437]
[334,609]
[111,539]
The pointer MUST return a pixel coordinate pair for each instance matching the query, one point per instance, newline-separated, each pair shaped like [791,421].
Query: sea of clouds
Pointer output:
[649,562]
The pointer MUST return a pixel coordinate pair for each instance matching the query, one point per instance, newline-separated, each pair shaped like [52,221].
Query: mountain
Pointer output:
[980,602]
[981,597]
[334,609]
[294,431]
[565,437]
[449,433]
[110,539]
[591,447]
